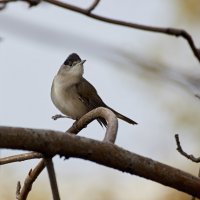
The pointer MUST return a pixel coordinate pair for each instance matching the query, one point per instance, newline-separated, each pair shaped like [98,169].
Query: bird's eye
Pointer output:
[74,63]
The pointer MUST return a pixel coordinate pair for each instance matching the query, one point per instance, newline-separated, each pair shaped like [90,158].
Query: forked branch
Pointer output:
[182,152]
[110,136]
[103,153]
[105,113]
[88,12]
[31,177]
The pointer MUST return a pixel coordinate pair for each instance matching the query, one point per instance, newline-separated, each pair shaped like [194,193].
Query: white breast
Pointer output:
[66,99]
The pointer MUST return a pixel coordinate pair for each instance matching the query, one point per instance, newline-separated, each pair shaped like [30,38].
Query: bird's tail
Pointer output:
[124,118]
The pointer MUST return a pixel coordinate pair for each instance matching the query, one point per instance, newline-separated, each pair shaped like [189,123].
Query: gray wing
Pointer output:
[89,96]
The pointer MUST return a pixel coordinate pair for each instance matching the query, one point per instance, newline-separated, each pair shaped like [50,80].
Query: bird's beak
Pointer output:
[82,61]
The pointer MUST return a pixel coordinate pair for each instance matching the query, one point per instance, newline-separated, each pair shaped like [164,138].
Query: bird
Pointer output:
[74,96]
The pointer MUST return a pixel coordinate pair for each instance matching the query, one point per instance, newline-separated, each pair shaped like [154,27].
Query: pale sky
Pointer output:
[126,67]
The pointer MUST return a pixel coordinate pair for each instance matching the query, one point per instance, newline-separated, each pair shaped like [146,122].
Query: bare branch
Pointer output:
[93,6]
[78,126]
[180,150]
[52,178]
[108,115]
[29,181]
[31,177]
[18,189]
[110,136]
[103,153]
[20,157]
[170,31]
[30,2]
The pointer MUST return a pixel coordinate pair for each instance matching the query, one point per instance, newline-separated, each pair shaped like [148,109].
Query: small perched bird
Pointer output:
[73,95]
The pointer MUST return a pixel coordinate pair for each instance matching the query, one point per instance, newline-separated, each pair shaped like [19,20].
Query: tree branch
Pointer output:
[20,157]
[169,31]
[110,136]
[87,12]
[52,178]
[103,153]
[31,177]
[33,174]
[100,112]
[108,115]
[93,6]
[180,150]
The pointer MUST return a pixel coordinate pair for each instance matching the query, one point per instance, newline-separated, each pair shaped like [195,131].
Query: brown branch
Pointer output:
[169,31]
[190,157]
[110,136]
[20,157]
[87,12]
[108,115]
[30,2]
[29,181]
[52,178]
[93,6]
[102,153]
[31,177]
[33,174]
[180,150]
[18,189]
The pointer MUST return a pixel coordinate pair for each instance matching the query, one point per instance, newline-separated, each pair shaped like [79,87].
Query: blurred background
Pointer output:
[152,78]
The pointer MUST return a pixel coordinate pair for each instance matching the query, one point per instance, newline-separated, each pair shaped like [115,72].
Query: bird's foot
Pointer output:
[55,117]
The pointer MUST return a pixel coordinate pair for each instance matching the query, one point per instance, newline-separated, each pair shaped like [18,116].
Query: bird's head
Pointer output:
[73,65]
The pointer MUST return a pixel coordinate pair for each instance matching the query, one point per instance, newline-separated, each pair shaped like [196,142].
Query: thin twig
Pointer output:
[191,157]
[108,115]
[31,177]
[18,189]
[93,6]
[170,31]
[180,150]
[29,181]
[52,178]
[20,157]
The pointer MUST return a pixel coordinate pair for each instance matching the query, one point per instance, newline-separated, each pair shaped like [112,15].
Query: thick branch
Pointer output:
[110,136]
[103,153]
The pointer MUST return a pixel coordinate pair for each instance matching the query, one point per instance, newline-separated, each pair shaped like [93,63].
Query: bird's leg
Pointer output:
[55,117]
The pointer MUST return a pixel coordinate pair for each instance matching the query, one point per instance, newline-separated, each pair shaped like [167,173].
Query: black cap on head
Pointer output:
[72,58]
